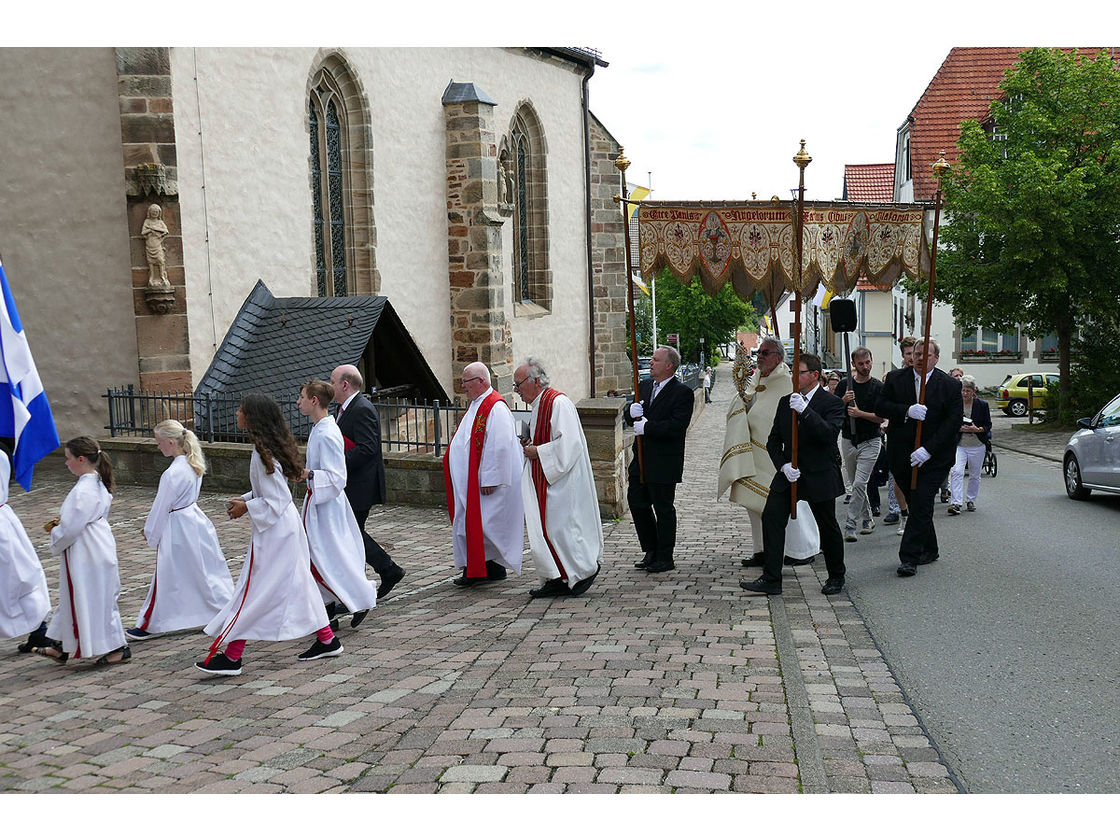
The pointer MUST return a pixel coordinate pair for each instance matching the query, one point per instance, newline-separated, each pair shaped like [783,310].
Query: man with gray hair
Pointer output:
[557,489]
[482,475]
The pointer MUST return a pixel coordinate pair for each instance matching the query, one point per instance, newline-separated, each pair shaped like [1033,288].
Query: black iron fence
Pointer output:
[416,426]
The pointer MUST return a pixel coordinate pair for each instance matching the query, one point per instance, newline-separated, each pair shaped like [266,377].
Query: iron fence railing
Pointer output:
[407,426]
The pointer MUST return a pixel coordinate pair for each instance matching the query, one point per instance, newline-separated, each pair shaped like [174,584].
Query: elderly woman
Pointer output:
[975,431]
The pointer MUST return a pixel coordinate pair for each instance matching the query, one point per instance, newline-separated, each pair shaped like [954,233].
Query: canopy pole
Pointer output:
[939,170]
[802,159]
[623,164]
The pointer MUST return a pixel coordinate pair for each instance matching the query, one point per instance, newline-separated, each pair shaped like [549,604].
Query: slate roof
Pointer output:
[276,344]
[869,182]
[963,88]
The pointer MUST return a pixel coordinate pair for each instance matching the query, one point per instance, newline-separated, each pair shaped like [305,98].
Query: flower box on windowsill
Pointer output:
[1048,356]
[989,356]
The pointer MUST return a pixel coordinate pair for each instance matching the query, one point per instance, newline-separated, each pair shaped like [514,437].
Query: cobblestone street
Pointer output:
[650,683]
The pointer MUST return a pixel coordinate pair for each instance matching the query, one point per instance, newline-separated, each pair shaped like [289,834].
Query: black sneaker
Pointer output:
[220,666]
[358,617]
[890,518]
[322,651]
[138,635]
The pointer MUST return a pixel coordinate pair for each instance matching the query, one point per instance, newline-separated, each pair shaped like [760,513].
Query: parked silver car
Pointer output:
[1092,459]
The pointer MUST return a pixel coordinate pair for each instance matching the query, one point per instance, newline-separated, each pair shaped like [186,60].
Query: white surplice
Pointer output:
[24,598]
[337,551]
[276,598]
[503,518]
[88,580]
[191,581]
[571,504]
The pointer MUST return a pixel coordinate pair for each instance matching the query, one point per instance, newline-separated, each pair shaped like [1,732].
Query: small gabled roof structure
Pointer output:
[276,344]
[868,182]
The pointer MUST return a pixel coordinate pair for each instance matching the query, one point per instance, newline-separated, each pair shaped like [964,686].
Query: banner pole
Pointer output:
[623,164]
[802,159]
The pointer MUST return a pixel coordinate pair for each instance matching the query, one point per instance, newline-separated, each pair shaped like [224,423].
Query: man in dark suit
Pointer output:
[660,419]
[817,476]
[365,472]
[940,415]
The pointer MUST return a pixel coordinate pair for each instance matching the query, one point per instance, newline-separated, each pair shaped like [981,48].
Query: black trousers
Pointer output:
[376,557]
[775,517]
[919,539]
[655,518]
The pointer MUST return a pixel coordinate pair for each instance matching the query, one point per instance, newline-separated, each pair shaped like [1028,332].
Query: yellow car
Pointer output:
[1011,397]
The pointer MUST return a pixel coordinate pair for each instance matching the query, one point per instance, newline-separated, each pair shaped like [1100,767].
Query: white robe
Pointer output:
[338,553]
[88,580]
[191,581]
[24,598]
[503,518]
[571,506]
[276,598]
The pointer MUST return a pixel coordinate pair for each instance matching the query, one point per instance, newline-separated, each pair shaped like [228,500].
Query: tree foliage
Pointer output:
[1031,226]
[691,312]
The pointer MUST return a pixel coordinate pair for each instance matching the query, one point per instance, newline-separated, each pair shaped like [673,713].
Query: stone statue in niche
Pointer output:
[154,231]
[505,182]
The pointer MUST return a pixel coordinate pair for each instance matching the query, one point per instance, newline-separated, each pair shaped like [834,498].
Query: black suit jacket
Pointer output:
[667,420]
[365,472]
[982,417]
[818,456]
[940,429]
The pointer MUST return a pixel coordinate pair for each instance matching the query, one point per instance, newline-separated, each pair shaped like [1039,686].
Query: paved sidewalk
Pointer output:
[1017,435]
[650,683]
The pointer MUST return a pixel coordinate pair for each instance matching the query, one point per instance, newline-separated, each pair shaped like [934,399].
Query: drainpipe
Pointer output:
[587,224]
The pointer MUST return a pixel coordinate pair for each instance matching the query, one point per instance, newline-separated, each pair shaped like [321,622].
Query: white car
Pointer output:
[1092,459]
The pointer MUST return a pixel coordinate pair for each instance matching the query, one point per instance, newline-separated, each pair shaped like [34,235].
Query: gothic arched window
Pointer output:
[532,279]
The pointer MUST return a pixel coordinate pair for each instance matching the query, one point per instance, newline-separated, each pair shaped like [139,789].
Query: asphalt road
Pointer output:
[1008,646]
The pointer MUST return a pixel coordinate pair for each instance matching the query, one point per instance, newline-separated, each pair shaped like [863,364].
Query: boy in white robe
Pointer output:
[24,598]
[337,550]
[558,489]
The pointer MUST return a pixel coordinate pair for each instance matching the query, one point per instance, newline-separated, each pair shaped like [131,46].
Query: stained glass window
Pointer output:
[326,127]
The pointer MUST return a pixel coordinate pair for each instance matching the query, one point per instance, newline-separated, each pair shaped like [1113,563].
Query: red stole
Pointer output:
[476,548]
[543,434]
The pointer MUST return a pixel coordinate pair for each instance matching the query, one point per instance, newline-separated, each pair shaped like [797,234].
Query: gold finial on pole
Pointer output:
[754,196]
[621,162]
[802,158]
[941,166]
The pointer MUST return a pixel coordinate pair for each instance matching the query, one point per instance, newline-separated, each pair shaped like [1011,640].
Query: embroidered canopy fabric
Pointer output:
[752,244]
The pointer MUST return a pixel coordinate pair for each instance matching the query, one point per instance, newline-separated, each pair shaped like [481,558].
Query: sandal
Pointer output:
[56,653]
[125,652]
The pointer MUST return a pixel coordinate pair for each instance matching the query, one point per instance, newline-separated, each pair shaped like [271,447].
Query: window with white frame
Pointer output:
[989,343]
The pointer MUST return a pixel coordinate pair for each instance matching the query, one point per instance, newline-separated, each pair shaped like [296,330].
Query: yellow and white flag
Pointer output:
[636,194]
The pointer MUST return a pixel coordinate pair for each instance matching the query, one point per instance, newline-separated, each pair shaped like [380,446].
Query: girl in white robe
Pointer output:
[191,582]
[87,622]
[276,597]
[24,598]
[337,550]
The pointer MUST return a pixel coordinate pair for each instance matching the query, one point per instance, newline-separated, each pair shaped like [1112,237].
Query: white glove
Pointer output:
[640,426]
[797,402]
[916,412]
[636,411]
[791,472]
[919,456]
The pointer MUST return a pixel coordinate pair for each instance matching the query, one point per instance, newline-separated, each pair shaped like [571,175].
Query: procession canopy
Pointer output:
[752,244]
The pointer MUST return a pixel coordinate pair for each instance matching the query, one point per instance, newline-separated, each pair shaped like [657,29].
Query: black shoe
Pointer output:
[660,566]
[550,589]
[645,561]
[890,518]
[756,559]
[220,666]
[389,579]
[467,582]
[793,561]
[944,496]
[357,618]
[832,586]
[495,571]
[585,584]
[38,638]
[875,512]
[761,586]
[322,651]
[138,635]
[927,558]
[906,570]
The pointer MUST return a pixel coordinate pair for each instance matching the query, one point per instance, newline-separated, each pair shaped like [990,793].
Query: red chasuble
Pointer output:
[543,434]
[476,548]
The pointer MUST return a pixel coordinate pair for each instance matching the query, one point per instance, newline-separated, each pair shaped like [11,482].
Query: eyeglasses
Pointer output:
[770,352]
[472,379]
[517,384]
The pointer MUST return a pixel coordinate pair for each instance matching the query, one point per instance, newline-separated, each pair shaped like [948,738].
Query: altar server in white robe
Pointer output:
[746,467]
[482,476]
[191,581]
[558,489]
[337,550]
[87,623]
[24,598]
[276,597]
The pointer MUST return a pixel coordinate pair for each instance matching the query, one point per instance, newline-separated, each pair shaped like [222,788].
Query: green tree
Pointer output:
[691,312]
[1031,232]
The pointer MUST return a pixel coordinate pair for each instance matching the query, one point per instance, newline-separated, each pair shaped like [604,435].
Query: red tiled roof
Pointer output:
[963,88]
[869,181]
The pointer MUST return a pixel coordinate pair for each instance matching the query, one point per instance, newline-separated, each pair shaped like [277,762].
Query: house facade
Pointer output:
[147,190]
